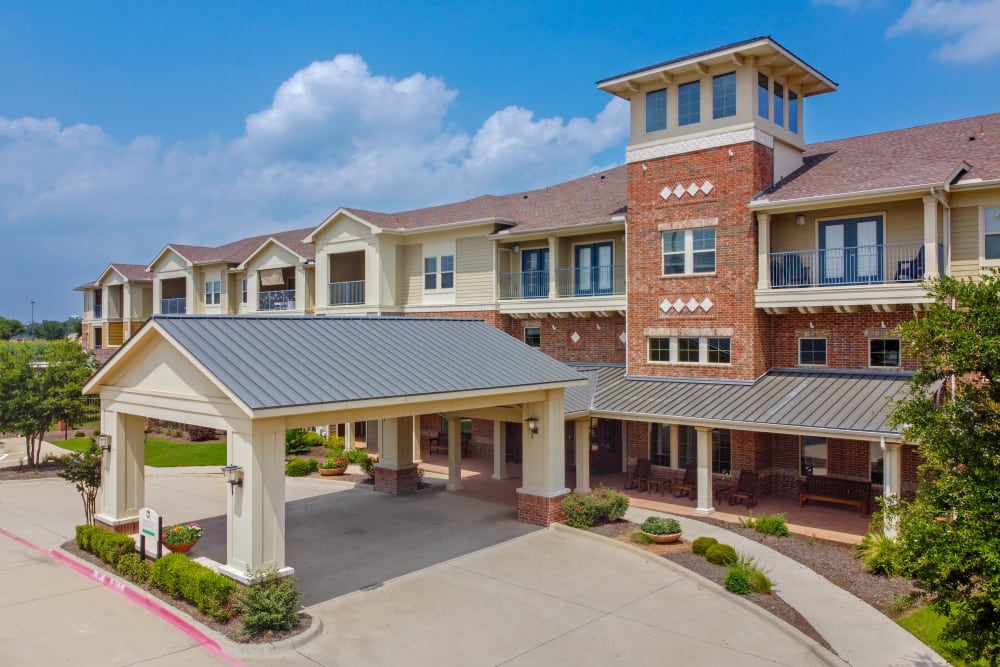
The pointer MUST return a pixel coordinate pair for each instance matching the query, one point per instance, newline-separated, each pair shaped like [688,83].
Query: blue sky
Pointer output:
[125,126]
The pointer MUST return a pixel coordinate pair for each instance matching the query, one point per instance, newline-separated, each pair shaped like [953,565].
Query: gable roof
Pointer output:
[375,357]
[915,157]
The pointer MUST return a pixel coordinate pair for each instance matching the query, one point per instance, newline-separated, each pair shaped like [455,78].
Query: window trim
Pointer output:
[689,252]
[213,292]
[438,273]
[802,454]
[524,336]
[244,295]
[899,360]
[826,351]
[983,259]
[792,107]
[673,351]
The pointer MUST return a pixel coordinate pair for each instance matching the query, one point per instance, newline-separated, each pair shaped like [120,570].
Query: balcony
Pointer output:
[876,275]
[524,285]
[177,306]
[276,300]
[579,282]
[348,293]
[97,311]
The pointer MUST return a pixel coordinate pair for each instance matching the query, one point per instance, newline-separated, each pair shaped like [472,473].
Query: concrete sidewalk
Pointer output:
[859,633]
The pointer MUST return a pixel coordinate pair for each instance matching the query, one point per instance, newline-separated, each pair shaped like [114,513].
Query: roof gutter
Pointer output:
[786,205]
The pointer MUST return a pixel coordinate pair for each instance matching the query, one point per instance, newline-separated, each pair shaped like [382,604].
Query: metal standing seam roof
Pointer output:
[828,400]
[273,362]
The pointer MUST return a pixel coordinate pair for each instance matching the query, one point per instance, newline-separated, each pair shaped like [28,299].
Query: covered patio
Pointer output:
[256,377]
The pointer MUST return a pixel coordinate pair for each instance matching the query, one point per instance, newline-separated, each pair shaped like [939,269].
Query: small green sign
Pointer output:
[149,523]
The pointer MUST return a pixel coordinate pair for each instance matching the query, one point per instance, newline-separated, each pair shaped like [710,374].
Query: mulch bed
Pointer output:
[42,471]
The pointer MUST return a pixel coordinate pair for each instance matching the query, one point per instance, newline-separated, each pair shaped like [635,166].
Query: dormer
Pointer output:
[722,95]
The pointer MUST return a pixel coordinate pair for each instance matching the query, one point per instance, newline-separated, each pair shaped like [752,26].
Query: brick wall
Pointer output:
[396,482]
[596,340]
[538,510]
[735,180]
[846,334]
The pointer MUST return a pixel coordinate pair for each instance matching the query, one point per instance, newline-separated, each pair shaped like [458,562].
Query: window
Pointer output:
[779,104]
[722,451]
[883,352]
[243,291]
[724,95]
[659,444]
[687,446]
[689,251]
[991,225]
[656,110]
[812,352]
[814,456]
[533,336]
[446,277]
[213,292]
[793,112]
[688,350]
[763,92]
[689,103]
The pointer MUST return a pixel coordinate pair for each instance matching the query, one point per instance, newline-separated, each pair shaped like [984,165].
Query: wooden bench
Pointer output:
[836,490]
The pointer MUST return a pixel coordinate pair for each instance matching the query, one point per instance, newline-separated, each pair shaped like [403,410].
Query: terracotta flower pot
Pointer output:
[181,548]
[328,472]
[663,539]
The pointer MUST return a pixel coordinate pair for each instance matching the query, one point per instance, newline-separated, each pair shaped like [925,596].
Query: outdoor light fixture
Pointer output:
[532,423]
[104,442]
[234,476]
[800,220]
[517,248]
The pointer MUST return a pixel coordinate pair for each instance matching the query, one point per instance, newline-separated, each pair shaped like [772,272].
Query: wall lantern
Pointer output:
[517,248]
[104,442]
[800,220]
[234,476]
[532,423]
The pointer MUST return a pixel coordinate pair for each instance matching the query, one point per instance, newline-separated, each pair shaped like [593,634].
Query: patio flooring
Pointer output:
[824,521]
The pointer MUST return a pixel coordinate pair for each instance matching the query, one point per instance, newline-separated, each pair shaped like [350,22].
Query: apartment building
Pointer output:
[731,292]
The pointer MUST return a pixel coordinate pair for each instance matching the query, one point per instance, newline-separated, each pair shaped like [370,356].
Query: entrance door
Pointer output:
[593,274]
[851,251]
[605,445]
[535,273]
[513,435]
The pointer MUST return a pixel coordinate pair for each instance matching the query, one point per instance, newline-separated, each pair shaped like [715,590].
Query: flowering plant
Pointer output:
[334,462]
[182,534]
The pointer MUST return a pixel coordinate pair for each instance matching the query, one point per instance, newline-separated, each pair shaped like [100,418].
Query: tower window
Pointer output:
[779,104]
[689,103]
[724,95]
[763,92]
[793,112]
[656,110]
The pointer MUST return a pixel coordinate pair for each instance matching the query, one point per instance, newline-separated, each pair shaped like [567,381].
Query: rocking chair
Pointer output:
[689,486]
[745,490]
[639,474]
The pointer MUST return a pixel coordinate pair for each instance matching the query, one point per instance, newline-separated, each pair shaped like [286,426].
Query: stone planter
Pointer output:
[663,539]
[332,472]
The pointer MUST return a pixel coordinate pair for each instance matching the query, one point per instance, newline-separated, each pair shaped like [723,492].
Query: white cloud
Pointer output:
[971,27]
[335,134]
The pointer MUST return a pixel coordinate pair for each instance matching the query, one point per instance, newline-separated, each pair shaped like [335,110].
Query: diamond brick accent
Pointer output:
[575,337]
[622,338]
[706,304]
[692,189]
[692,304]
[707,187]
[678,305]
[665,305]
[679,190]
[666,192]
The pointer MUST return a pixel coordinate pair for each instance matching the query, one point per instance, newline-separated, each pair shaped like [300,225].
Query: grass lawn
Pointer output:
[925,624]
[167,453]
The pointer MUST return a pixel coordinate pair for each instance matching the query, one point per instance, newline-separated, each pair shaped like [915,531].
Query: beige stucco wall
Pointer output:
[474,270]
[965,241]
[903,223]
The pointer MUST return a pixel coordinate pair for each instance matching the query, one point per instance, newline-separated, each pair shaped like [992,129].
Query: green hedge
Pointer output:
[298,468]
[602,506]
[181,577]
[104,544]
[135,569]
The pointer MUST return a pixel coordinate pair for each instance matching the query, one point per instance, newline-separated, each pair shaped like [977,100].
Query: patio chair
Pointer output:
[794,271]
[689,485]
[639,474]
[911,269]
[439,443]
[745,490]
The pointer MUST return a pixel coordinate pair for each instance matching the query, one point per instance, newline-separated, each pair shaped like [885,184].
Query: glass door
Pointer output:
[851,251]
[535,273]
[594,269]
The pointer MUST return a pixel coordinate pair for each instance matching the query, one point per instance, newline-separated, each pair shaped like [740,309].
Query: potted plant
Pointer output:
[182,537]
[334,465]
[660,530]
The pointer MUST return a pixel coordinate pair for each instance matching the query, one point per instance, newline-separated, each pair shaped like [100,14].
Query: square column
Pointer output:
[582,440]
[499,451]
[892,479]
[763,251]
[454,454]
[539,500]
[931,268]
[704,470]
[255,511]
[123,489]
[395,472]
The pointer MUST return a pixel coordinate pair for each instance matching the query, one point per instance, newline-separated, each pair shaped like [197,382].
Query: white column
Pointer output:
[763,251]
[704,470]
[892,478]
[454,454]
[300,287]
[582,440]
[544,456]
[253,291]
[499,451]
[192,290]
[931,269]
[395,445]
[124,483]
[255,512]
[157,296]
[553,266]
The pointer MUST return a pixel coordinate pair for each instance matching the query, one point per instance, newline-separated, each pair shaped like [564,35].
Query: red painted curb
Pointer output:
[130,594]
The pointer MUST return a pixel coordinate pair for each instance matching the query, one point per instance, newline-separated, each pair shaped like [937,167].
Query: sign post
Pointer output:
[150,525]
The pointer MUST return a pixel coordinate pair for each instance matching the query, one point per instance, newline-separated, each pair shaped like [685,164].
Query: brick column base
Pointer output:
[539,510]
[396,482]
[128,527]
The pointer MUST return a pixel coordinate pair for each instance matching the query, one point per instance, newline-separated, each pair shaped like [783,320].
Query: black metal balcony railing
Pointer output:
[587,281]
[177,306]
[860,265]
[347,293]
[276,300]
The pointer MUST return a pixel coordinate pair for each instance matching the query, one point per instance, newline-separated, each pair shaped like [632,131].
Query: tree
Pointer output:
[40,384]
[84,470]
[949,535]
[50,330]
[10,328]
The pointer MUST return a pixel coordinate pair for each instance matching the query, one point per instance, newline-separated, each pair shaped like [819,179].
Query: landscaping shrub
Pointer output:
[368,466]
[640,537]
[878,553]
[79,434]
[313,439]
[702,544]
[104,544]
[295,441]
[297,468]
[201,586]
[603,505]
[135,569]
[736,581]
[268,603]
[313,465]
[657,525]
[771,524]
[756,577]
[200,433]
[357,456]
[335,442]
[721,554]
